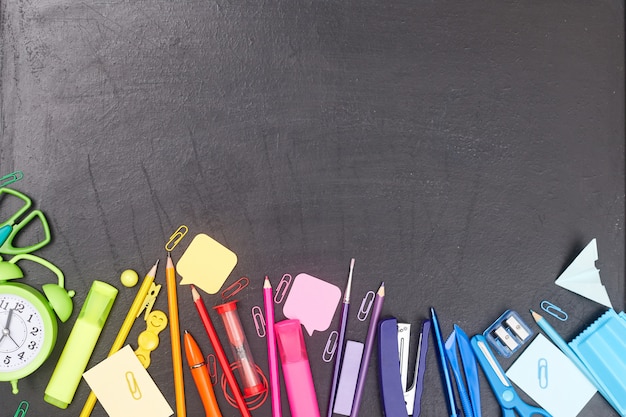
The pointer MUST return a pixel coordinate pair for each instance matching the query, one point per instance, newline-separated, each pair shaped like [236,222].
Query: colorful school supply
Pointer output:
[259,321]
[366,305]
[296,369]
[272,358]
[21,304]
[148,340]
[129,278]
[508,333]
[11,178]
[219,352]
[249,378]
[343,322]
[393,340]
[235,288]
[548,377]
[331,346]
[453,360]
[206,263]
[11,227]
[600,347]
[313,302]
[281,288]
[80,344]
[176,237]
[583,278]
[553,310]
[124,330]
[348,377]
[470,369]
[565,348]
[124,387]
[443,364]
[22,408]
[504,392]
[149,300]
[367,351]
[201,377]
[177,360]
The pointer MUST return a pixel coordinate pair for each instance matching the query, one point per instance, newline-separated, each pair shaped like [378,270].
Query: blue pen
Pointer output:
[444,364]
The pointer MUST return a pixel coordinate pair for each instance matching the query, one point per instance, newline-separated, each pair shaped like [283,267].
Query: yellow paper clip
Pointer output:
[234,288]
[176,237]
[133,387]
[366,306]
[21,409]
[148,302]
[331,346]
[259,321]
[281,289]
[10,179]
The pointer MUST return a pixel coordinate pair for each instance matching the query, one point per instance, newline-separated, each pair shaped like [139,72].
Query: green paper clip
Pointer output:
[21,409]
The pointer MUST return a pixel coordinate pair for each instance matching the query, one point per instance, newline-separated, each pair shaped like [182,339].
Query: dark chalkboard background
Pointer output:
[463,152]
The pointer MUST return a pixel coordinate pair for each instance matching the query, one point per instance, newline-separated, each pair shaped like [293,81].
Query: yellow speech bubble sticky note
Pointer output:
[206,263]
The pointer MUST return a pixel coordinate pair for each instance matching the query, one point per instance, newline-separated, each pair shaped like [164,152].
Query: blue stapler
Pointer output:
[393,348]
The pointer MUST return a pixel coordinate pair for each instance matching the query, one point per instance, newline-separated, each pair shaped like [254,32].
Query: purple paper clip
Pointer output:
[281,289]
[364,310]
[331,346]
[235,287]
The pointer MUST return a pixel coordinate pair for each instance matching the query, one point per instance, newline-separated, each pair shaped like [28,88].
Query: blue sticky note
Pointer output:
[551,379]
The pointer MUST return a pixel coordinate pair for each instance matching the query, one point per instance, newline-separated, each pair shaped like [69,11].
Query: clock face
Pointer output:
[21,332]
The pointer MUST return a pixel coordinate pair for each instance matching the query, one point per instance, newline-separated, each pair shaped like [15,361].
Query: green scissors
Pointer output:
[11,227]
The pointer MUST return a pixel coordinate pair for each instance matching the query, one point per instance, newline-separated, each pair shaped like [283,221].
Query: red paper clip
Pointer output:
[212,367]
[235,287]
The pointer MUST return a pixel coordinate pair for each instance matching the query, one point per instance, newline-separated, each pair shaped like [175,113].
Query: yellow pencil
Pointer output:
[177,362]
[124,330]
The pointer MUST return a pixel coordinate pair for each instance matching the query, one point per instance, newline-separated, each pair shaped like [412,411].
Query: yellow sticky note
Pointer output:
[206,263]
[124,387]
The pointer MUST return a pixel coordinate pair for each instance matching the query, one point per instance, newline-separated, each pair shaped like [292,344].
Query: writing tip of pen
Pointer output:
[186,331]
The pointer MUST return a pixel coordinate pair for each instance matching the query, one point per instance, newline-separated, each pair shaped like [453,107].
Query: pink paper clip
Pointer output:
[331,346]
[212,367]
[259,321]
[235,287]
[364,310]
[281,289]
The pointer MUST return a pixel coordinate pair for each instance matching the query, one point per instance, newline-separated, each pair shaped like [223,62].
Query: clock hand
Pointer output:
[8,323]
[13,340]
[6,331]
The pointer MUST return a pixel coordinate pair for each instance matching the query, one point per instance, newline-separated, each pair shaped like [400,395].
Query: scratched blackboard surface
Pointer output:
[461,152]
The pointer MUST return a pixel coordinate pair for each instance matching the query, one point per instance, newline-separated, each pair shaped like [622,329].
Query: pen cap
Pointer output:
[80,344]
[290,341]
[246,366]
[296,369]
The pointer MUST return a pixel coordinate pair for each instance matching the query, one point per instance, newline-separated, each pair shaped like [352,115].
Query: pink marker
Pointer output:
[296,369]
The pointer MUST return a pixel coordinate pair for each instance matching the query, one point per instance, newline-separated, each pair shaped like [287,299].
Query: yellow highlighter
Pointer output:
[135,308]
[80,345]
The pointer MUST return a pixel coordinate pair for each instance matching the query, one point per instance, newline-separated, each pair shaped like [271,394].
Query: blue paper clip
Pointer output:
[553,310]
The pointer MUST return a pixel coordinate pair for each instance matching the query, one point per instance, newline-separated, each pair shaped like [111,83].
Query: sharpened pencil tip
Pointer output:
[266,282]
[536,316]
[381,290]
[194,293]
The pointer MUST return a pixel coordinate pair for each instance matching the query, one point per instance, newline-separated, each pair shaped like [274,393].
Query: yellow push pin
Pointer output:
[148,340]
[129,278]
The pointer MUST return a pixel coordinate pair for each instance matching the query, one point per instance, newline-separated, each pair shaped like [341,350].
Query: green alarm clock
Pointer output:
[28,319]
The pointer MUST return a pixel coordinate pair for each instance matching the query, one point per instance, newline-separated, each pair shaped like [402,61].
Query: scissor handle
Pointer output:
[502,388]
[27,203]
[9,249]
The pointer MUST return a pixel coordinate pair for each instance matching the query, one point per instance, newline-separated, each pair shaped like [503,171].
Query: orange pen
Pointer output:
[200,375]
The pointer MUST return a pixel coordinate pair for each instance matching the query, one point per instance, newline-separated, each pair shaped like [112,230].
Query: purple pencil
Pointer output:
[342,333]
[367,351]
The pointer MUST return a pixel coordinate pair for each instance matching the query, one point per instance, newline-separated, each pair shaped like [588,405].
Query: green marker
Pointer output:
[80,345]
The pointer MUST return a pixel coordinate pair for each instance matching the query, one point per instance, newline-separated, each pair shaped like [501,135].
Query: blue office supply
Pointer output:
[508,333]
[504,392]
[398,401]
[451,353]
[443,362]
[470,368]
[600,347]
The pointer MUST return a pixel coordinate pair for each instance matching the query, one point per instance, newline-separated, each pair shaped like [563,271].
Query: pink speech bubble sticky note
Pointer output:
[313,302]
